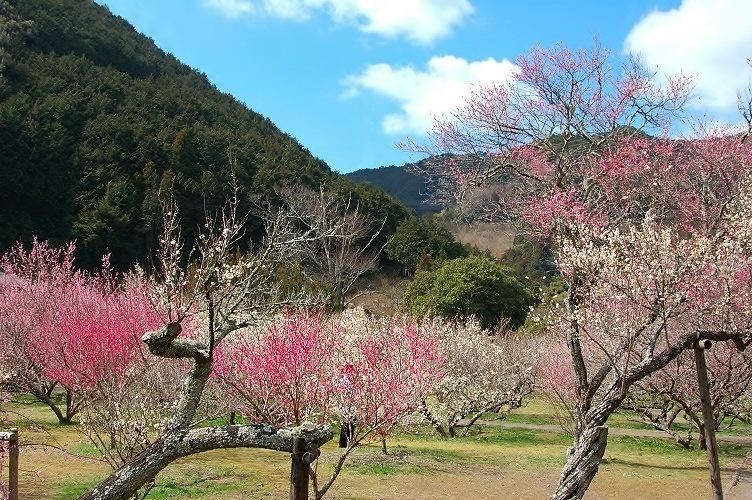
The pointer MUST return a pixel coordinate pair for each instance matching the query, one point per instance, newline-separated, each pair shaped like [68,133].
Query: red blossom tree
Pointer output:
[65,327]
[283,374]
[368,373]
[96,331]
[27,303]
[651,234]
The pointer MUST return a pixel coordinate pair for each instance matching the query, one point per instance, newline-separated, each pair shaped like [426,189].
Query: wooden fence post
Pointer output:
[12,437]
[299,471]
[708,420]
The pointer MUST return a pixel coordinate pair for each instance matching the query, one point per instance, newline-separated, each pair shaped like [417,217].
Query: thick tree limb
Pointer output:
[176,444]
[164,343]
[582,464]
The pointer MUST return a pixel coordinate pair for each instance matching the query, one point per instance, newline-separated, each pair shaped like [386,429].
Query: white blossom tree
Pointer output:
[482,374]
[218,294]
[651,234]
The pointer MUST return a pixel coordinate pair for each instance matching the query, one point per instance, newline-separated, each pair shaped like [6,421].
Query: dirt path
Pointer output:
[612,431]
[739,488]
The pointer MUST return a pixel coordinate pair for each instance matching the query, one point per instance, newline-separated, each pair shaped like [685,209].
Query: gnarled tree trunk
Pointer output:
[179,439]
[582,464]
[174,444]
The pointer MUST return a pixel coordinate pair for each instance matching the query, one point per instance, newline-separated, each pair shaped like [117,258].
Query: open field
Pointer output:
[490,463]
[497,238]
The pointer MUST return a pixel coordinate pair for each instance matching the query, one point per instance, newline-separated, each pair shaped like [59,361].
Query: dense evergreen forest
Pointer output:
[98,126]
[400,183]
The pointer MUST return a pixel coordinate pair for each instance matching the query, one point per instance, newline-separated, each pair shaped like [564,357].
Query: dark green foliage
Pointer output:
[98,126]
[530,258]
[476,286]
[12,31]
[533,263]
[291,282]
[386,213]
[415,239]
[399,182]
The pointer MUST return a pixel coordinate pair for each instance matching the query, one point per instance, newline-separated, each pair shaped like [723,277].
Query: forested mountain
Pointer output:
[399,182]
[97,125]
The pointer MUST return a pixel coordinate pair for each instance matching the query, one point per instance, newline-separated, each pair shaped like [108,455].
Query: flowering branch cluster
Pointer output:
[62,326]
[482,374]
[369,373]
[669,393]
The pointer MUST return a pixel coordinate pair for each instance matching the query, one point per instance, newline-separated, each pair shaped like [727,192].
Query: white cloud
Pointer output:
[708,39]
[297,10]
[231,8]
[420,21]
[443,86]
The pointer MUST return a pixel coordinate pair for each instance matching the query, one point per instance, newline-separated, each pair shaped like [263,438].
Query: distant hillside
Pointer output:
[97,124]
[403,185]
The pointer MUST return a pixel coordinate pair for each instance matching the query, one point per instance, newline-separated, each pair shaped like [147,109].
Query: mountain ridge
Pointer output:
[98,126]
[400,183]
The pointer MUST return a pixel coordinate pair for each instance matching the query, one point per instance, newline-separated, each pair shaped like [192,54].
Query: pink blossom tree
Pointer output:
[368,373]
[81,331]
[28,290]
[386,367]
[665,395]
[64,327]
[651,234]
[96,331]
[556,380]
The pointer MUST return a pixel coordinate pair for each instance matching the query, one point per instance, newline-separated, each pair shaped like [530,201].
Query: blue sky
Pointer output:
[351,78]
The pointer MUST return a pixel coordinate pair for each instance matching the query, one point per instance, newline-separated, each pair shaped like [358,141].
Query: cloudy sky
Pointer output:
[350,78]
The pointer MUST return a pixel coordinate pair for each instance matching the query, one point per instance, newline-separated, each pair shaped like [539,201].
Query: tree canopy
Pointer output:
[416,238]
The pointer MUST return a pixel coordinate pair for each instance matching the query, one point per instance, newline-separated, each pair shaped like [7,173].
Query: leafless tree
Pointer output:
[341,249]
[217,294]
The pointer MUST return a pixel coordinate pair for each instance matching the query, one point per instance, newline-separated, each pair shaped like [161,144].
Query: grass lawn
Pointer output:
[58,463]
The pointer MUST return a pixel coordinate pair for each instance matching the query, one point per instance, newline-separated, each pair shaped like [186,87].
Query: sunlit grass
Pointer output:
[415,455]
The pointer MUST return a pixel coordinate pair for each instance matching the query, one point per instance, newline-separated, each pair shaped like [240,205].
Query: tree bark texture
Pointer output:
[124,482]
[582,464]
[709,424]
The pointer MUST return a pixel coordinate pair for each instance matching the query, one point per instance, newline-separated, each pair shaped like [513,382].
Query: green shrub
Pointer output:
[476,286]
[417,239]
